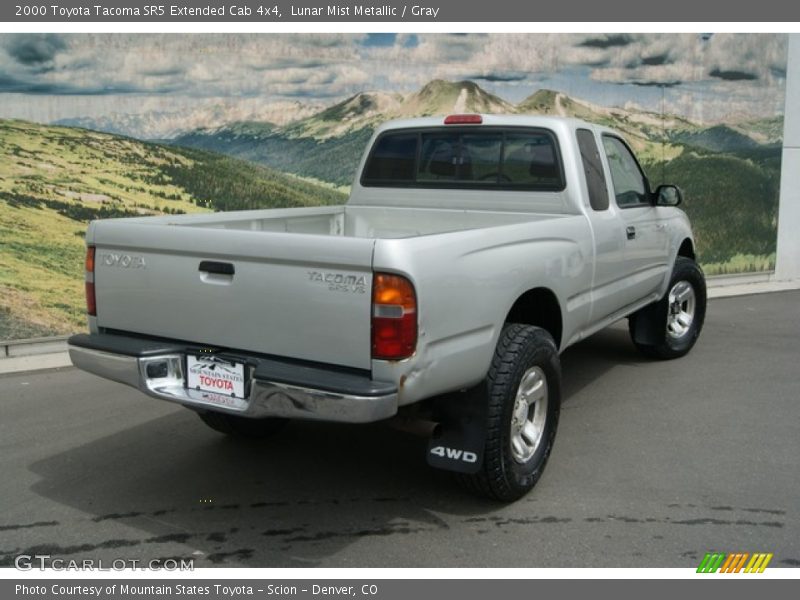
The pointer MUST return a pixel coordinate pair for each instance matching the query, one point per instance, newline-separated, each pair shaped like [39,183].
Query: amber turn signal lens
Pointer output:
[395,290]
[90,259]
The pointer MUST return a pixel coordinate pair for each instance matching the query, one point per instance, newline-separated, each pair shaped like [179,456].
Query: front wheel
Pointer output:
[670,327]
[524,399]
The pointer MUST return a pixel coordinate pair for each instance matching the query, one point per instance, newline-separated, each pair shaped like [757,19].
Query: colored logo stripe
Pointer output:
[734,562]
[711,562]
[758,563]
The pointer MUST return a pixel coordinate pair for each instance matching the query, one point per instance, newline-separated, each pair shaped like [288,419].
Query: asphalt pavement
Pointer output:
[655,464]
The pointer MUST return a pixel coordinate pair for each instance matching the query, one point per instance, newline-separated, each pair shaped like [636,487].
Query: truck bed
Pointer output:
[292,282]
[355,221]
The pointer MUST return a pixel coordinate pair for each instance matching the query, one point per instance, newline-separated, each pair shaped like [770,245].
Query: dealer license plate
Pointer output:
[219,378]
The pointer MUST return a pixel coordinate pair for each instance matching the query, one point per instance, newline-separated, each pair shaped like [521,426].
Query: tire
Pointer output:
[670,327]
[526,357]
[240,427]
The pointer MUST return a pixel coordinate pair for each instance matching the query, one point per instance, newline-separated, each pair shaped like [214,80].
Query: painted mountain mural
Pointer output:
[110,125]
[730,172]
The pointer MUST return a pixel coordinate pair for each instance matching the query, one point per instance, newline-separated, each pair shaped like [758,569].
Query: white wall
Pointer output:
[787,263]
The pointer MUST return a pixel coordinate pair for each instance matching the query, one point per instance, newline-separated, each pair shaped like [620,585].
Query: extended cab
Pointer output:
[473,249]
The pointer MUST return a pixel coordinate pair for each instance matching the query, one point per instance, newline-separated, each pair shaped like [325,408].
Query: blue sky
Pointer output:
[45,77]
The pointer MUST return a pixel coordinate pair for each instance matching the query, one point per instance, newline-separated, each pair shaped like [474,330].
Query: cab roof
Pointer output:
[550,122]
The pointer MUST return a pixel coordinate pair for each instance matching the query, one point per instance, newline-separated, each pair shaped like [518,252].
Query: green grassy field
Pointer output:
[54,180]
[732,201]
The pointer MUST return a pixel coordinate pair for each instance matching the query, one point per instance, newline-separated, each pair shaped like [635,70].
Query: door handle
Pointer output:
[630,232]
[217,268]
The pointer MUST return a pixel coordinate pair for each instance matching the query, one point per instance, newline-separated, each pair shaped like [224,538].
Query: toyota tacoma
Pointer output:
[472,251]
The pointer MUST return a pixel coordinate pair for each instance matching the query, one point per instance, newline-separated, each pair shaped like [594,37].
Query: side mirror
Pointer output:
[668,195]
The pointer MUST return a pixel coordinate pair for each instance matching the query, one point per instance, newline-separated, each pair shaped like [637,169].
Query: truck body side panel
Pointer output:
[466,284]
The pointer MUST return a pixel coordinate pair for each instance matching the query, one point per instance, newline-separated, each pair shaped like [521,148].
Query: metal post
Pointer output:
[787,262]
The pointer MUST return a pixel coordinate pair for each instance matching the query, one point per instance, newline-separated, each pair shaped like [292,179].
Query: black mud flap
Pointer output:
[458,441]
[647,323]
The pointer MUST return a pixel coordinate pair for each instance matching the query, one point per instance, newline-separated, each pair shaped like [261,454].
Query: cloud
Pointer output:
[251,64]
[664,84]
[12,85]
[331,40]
[503,77]
[213,65]
[35,50]
[269,67]
[607,41]
[732,75]
[285,63]
[655,60]
[755,55]
[689,58]
[163,72]
[723,101]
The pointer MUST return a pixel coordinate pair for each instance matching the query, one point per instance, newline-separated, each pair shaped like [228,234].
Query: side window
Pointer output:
[630,187]
[593,169]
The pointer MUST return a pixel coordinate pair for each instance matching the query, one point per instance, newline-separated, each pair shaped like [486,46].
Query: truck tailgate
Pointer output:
[283,294]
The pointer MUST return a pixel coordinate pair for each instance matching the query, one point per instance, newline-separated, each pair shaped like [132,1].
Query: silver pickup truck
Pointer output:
[472,251]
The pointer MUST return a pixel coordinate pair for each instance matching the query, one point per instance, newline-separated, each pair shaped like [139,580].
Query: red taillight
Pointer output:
[394,317]
[463,120]
[91,302]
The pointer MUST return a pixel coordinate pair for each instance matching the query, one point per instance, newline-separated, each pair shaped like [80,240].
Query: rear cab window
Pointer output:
[509,158]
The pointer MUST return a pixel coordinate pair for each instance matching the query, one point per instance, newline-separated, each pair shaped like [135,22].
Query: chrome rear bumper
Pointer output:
[297,392]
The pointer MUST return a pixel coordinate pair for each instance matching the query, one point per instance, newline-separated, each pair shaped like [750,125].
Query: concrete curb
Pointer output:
[17,356]
[34,354]
[27,347]
[34,362]
[724,286]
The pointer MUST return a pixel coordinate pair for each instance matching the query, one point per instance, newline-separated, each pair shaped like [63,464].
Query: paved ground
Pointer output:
[655,464]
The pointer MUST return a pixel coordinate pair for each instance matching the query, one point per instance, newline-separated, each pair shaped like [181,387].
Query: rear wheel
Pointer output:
[524,396]
[241,427]
[670,327]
